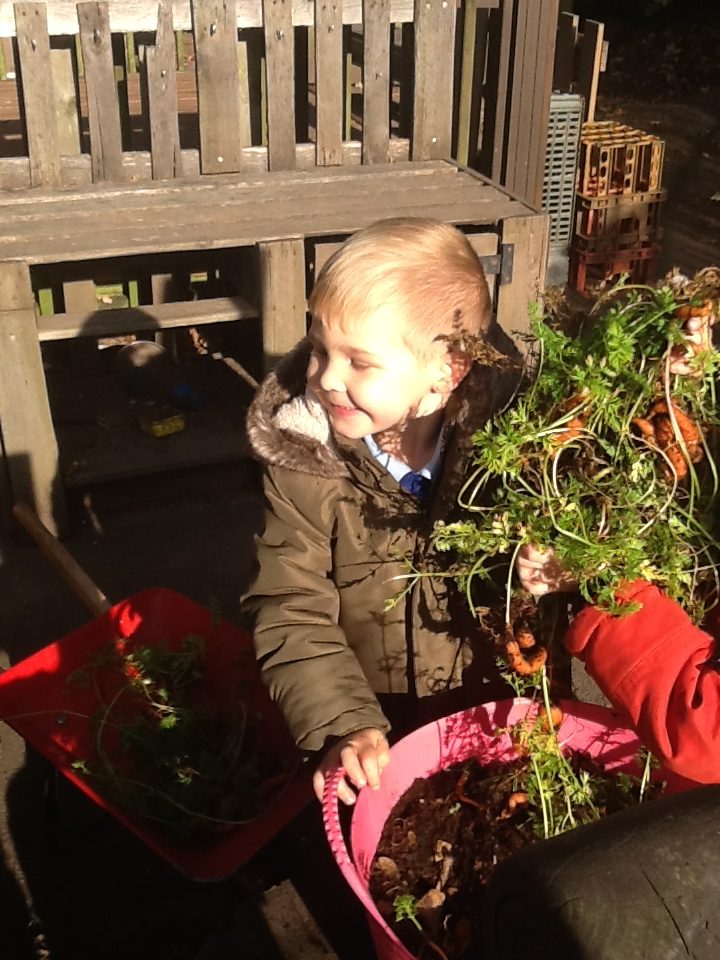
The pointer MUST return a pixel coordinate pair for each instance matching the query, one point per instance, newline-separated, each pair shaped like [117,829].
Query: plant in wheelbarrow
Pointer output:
[606,457]
[155,709]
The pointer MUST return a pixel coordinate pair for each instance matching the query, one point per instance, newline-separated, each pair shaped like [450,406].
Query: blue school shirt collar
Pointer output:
[396,468]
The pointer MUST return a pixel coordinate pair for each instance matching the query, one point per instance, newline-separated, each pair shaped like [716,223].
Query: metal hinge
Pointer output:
[500,265]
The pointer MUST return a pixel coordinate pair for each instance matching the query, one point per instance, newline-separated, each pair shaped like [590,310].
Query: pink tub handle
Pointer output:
[333,830]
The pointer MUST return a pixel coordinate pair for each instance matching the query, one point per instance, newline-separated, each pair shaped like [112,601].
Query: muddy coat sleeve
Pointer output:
[310,670]
[656,667]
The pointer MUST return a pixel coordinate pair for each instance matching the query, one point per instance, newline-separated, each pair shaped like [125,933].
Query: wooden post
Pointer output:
[376,81]
[162,96]
[103,106]
[591,55]
[328,83]
[283,304]
[216,66]
[529,236]
[67,112]
[280,83]
[29,440]
[38,97]
[434,71]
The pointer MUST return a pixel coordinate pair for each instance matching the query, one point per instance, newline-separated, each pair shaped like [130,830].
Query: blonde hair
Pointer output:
[424,268]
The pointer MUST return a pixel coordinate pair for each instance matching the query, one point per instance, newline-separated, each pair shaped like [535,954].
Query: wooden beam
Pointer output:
[283,302]
[29,442]
[159,316]
[434,71]
[529,238]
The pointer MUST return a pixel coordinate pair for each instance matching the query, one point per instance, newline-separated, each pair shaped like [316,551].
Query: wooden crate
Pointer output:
[616,159]
[639,263]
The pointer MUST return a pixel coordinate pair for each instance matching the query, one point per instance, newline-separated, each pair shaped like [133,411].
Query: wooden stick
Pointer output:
[88,591]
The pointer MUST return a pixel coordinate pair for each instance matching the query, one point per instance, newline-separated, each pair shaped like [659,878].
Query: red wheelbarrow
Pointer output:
[54,715]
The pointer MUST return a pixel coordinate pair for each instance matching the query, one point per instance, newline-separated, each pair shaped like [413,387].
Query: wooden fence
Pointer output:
[491,105]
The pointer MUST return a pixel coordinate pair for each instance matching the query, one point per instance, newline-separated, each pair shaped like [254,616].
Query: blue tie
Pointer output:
[416,484]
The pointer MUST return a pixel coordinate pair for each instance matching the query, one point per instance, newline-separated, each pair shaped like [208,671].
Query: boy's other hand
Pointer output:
[539,572]
[363,755]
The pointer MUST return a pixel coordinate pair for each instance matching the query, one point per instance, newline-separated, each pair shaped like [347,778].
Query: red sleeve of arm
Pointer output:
[657,669]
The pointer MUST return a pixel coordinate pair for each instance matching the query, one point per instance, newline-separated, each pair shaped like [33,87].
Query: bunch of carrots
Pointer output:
[606,456]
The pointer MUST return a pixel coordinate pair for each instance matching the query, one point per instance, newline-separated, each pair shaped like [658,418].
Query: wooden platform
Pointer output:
[47,226]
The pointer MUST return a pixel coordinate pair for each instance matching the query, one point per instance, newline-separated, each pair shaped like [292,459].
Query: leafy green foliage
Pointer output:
[163,750]
[565,467]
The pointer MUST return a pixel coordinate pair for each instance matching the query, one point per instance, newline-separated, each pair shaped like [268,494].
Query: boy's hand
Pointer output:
[539,572]
[363,755]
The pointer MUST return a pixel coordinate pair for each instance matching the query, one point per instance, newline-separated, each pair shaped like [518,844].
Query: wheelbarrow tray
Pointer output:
[55,717]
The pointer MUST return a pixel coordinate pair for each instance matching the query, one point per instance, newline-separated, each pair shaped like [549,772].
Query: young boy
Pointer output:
[363,431]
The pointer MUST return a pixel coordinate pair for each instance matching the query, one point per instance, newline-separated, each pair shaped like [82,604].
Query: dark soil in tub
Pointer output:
[443,840]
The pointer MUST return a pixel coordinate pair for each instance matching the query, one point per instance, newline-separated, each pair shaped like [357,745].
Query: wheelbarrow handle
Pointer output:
[90,594]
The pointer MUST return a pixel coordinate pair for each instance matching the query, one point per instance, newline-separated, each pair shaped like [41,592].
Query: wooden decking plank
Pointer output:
[434,73]
[280,73]
[152,236]
[376,81]
[37,85]
[160,316]
[243,207]
[329,97]
[103,108]
[162,98]
[216,68]
[46,203]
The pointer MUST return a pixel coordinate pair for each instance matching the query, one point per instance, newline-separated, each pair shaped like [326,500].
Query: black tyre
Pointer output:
[644,883]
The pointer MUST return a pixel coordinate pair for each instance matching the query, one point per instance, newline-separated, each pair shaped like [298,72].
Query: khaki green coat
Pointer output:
[339,533]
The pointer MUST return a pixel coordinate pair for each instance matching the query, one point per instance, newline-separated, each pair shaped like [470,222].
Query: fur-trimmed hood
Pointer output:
[288,428]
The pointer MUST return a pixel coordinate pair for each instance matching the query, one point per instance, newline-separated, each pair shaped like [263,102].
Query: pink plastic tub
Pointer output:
[471,733]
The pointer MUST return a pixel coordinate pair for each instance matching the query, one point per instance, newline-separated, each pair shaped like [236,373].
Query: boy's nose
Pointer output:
[332,379]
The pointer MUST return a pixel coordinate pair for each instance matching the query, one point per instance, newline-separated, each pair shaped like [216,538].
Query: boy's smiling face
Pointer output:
[367,377]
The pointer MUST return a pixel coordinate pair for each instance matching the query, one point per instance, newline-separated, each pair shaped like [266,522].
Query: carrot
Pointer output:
[522,661]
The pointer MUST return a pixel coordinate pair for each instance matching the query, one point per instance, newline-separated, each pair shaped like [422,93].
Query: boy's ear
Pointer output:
[455,368]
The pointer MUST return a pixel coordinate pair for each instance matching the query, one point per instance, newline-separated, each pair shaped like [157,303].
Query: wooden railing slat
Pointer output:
[162,99]
[37,86]
[328,82]
[216,66]
[140,16]
[434,68]
[67,115]
[376,81]
[280,74]
[103,108]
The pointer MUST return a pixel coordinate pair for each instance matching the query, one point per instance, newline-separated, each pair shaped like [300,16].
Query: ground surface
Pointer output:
[81,888]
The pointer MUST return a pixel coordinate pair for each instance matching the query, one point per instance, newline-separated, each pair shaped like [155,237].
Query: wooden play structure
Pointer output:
[142,143]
